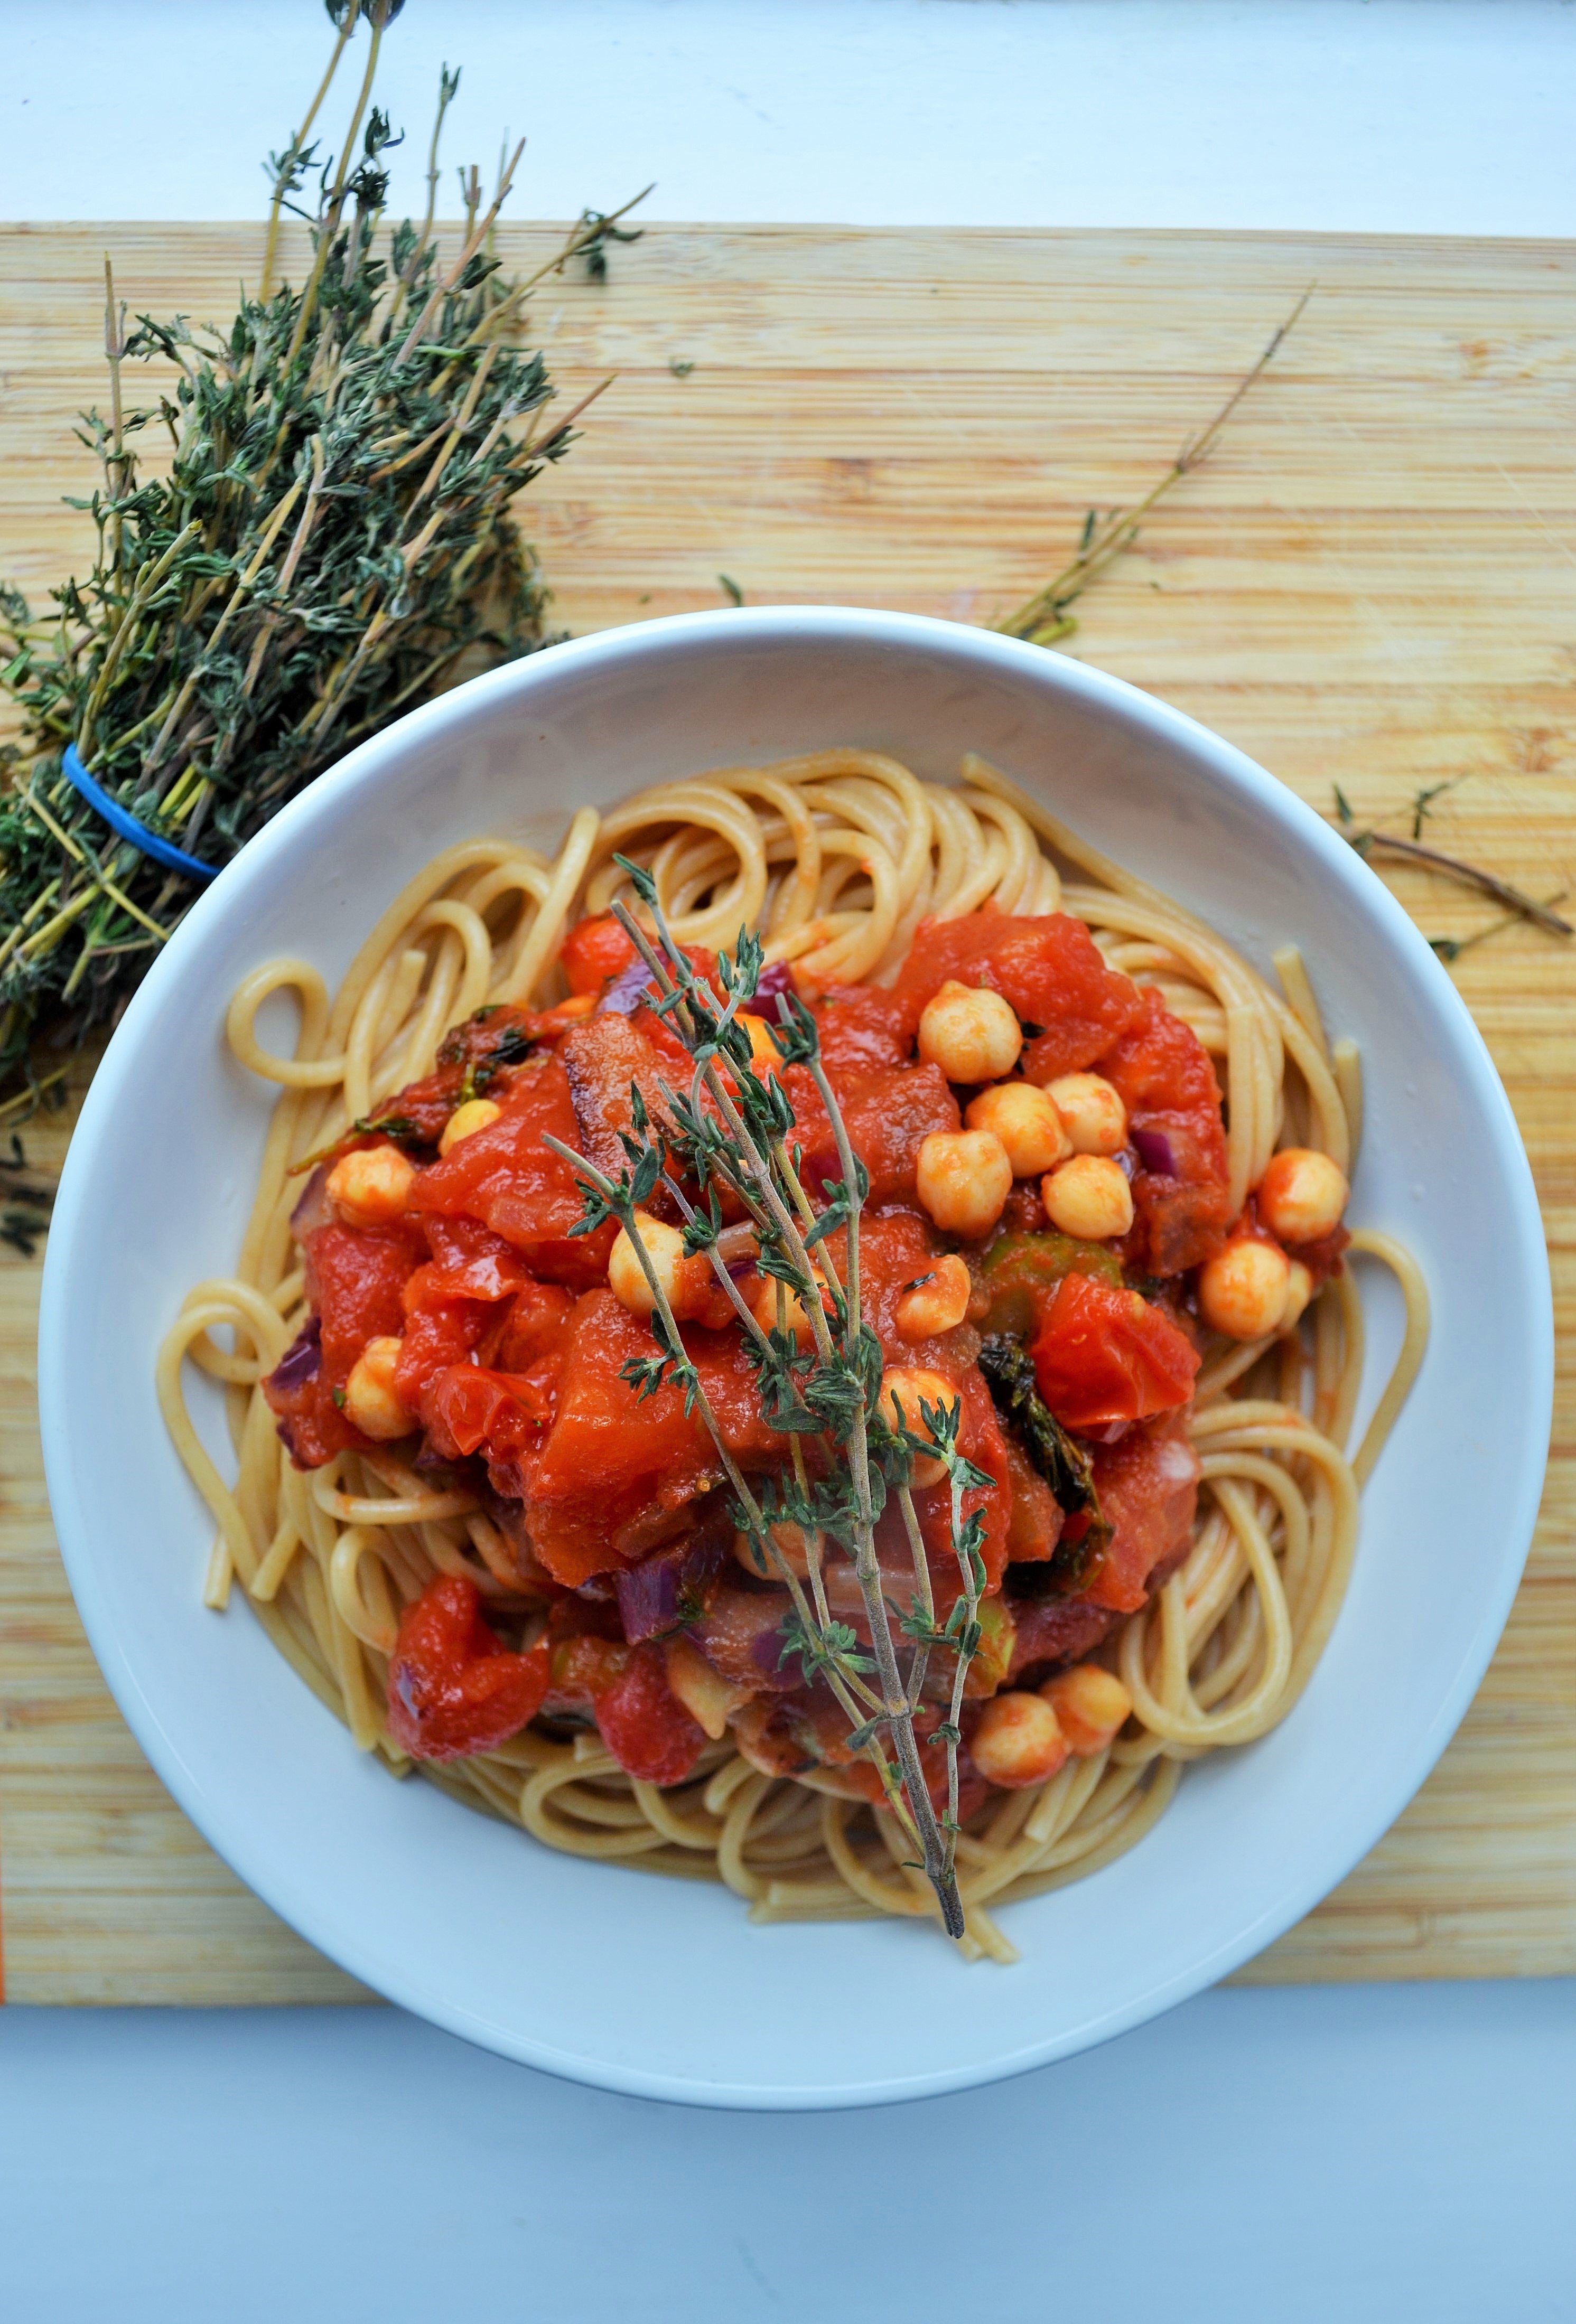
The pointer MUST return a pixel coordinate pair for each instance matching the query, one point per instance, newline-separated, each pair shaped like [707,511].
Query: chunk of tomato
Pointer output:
[468,1261]
[468,1409]
[1103,1354]
[888,1116]
[645,1725]
[533,1325]
[355,1276]
[1148,1488]
[312,1426]
[863,1028]
[1165,1079]
[596,950]
[979,1440]
[616,1468]
[1046,965]
[509,1178]
[436,1336]
[452,1689]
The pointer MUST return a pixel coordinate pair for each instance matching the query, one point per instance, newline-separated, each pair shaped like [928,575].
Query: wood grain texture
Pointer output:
[1373,583]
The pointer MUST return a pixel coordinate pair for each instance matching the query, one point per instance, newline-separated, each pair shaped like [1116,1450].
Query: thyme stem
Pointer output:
[1043,618]
[1471,875]
[767,1172]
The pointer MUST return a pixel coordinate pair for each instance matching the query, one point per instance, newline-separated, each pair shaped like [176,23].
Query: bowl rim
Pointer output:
[276,1880]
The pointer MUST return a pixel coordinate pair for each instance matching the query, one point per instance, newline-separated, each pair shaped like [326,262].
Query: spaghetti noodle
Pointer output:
[836,858]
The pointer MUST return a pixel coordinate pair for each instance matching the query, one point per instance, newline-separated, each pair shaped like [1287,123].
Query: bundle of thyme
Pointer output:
[729,1133]
[332,538]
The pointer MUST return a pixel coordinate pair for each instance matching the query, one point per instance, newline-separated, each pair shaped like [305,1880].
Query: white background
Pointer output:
[1256,2158]
[1406,116]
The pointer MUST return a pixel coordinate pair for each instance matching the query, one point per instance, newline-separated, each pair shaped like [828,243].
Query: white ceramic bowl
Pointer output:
[659,1986]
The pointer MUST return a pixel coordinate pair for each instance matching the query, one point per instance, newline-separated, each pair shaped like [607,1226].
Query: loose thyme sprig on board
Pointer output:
[333,538]
[729,1133]
[1368,840]
[1044,619]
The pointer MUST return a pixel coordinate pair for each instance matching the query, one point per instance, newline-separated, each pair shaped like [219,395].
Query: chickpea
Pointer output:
[963,1180]
[787,1539]
[1088,1197]
[938,1305]
[371,1186]
[372,1403]
[970,1032]
[1299,1291]
[796,1318]
[705,1694]
[1243,1289]
[1302,1194]
[476,1113]
[908,1386]
[1093,1112]
[1019,1741]
[1027,1123]
[686,1281]
[764,1050]
[765,1055]
[1090,1706]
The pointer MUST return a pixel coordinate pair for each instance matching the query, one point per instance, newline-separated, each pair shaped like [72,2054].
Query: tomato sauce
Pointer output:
[1162,1072]
[522,1372]
[510,1180]
[452,1688]
[1048,968]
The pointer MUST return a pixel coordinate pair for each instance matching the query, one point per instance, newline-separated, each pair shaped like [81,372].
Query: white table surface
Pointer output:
[1385,2151]
[1405,116]
[1372,2155]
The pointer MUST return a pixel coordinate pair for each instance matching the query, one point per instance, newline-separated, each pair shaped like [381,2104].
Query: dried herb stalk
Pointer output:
[332,543]
[1044,619]
[1367,840]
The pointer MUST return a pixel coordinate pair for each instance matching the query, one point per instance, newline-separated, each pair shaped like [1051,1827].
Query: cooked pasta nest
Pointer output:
[834,857]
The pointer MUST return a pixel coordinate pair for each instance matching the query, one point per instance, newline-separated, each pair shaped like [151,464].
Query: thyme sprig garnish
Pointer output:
[729,1134]
[1044,619]
[1368,840]
[333,540]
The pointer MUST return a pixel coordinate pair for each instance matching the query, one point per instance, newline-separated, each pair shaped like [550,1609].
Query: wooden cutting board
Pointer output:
[1372,583]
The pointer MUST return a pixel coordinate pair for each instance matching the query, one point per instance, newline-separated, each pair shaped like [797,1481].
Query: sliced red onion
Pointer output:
[1155,1152]
[302,1360]
[656,1596]
[741,1636]
[315,1208]
[628,991]
[777,978]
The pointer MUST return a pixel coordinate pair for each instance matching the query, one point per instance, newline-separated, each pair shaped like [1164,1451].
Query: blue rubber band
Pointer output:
[162,851]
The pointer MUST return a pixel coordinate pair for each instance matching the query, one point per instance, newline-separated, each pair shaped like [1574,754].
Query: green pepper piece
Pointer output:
[1019,1266]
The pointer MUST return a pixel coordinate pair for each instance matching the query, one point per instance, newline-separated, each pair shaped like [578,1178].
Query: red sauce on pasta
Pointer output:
[512,1345]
